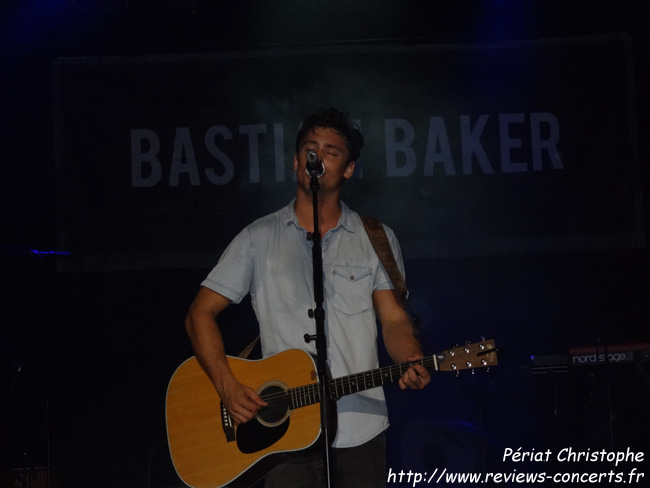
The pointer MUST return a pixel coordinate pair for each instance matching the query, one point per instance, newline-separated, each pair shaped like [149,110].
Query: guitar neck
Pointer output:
[303,396]
[354,383]
[469,356]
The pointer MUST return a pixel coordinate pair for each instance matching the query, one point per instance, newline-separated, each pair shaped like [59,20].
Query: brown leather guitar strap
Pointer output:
[248,349]
[379,241]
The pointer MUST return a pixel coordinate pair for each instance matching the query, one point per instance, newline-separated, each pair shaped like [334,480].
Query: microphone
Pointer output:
[315,166]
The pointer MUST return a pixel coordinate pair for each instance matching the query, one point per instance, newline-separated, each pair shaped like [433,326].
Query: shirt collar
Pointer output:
[346,221]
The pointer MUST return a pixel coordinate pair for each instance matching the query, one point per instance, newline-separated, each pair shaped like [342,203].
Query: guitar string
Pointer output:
[358,381]
[306,392]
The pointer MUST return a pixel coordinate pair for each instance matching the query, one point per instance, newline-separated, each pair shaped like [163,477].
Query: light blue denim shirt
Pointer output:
[272,260]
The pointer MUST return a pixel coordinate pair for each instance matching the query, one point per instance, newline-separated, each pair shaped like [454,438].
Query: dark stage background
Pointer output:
[506,145]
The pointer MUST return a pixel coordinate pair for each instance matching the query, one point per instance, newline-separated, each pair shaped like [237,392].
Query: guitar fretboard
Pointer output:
[303,396]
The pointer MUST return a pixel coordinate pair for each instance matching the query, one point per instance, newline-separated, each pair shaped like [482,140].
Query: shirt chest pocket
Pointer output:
[352,289]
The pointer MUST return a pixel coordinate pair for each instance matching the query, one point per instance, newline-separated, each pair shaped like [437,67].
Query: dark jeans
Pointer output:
[363,466]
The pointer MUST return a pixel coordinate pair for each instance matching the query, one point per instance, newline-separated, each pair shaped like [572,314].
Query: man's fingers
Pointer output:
[416,377]
[256,399]
[244,412]
[423,373]
[244,404]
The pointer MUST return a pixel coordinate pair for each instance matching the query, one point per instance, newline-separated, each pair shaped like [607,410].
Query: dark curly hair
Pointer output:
[339,122]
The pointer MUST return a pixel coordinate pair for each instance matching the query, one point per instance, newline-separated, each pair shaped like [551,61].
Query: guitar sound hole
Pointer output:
[278,409]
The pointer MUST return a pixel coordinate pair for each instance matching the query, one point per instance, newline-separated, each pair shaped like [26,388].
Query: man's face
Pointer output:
[332,151]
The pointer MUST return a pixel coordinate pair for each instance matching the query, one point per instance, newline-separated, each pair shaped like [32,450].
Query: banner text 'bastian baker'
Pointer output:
[150,167]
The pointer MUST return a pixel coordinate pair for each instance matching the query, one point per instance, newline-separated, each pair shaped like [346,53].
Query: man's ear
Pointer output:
[295,162]
[349,170]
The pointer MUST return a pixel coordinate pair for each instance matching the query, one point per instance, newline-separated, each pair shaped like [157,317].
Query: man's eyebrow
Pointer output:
[327,145]
[307,141]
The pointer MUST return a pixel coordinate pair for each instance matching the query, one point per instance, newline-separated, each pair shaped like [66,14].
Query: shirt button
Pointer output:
[352,277]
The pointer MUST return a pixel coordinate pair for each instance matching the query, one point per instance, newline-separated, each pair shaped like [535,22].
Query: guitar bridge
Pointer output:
[226,423]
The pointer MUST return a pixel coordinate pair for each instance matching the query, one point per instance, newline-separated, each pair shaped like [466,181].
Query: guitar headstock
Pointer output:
[477,355]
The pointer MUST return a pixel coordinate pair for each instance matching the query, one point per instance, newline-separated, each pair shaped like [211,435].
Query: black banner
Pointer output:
[470,150]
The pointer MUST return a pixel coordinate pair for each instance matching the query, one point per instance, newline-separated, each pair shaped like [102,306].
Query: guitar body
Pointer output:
[208,450]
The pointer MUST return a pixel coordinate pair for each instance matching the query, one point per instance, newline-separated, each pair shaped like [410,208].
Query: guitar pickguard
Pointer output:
[253,436]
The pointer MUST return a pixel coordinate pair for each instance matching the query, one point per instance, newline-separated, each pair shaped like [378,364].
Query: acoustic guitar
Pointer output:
[208,450]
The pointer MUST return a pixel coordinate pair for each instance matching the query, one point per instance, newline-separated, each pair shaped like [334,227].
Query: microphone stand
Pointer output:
[318,314]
